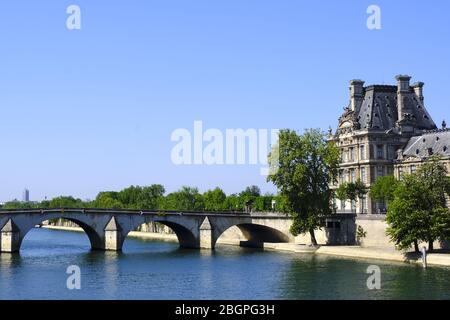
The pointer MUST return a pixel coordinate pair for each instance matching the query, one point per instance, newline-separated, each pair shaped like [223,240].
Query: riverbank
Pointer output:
[371,253]
[355,252]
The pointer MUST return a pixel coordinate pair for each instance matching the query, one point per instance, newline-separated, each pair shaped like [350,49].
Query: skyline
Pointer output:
[92,110]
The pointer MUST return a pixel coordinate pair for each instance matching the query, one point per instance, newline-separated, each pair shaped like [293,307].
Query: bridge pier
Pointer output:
[10,237]
[113,236]
[206,235]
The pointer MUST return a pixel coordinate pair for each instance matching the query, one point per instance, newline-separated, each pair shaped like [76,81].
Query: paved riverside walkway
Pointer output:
[377,253]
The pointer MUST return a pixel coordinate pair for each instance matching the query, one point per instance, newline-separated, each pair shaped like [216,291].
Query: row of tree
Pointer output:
[154,197]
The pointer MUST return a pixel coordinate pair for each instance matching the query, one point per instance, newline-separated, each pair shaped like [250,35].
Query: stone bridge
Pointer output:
[107,229]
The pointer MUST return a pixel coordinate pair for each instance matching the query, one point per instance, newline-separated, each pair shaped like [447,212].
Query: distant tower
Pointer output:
[26,195]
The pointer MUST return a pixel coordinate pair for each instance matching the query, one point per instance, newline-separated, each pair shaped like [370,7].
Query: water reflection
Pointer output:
[8,263]
[161,270]
[322,277]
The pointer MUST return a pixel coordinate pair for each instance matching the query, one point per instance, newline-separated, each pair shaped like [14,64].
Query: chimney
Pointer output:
[402,88]
[356,93]
[418,89]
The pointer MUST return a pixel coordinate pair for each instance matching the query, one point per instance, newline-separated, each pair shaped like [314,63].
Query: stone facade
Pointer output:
[385,130]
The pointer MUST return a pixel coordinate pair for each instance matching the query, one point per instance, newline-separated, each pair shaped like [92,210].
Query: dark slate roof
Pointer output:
[435,142]
[379,111]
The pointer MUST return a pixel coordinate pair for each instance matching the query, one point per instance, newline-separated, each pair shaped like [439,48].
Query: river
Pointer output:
[160,270]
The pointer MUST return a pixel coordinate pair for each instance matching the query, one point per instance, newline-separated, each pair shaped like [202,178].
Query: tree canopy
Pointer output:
[417,211]
[302,167]
[383,189]
[154,197]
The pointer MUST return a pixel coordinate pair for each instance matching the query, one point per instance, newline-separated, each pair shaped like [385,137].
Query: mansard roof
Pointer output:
[436,142]
[378,110]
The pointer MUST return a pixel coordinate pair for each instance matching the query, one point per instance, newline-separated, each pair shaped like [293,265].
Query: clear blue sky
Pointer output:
[91,110]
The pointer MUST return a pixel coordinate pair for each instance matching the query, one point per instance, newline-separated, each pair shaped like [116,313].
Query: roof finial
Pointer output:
[444,125]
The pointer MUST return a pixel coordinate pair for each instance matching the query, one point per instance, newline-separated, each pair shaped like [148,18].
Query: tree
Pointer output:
[150,196]
[214,199]
[251,191]
[188,199]
[418,210]
[383,189]
[341,192]
[15,204]
[108,200]
[232,203]
[405,216]
[129,197]
[66,202]
[248,197]
[433,176]
[281,204]
[302,167]
[350,191]
[360,189]
[263,203]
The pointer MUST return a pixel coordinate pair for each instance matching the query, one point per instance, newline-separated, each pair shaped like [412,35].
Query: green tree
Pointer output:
[341,192]
[302,167]
[383,189]
[15,204]
[350,191]
[248,197]
[188,199]
[233,203]
[150,196]
[282,204]
[66,202]
[360,188]
[214,200]
[418,210]
[405,216]
[130,197]
[263,203]
[108,200]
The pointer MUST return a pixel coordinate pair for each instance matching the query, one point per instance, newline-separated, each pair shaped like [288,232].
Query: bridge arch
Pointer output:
[95,239]
[186,238]
[257,234]
[260,233]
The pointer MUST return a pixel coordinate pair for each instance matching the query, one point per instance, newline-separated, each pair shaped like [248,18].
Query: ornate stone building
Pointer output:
[385,130]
